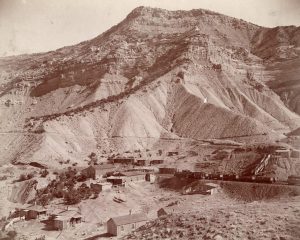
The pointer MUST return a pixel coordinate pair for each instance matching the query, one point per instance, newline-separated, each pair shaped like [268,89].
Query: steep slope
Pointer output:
[157,74]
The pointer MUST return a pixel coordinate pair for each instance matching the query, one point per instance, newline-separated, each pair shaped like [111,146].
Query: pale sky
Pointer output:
[29,26]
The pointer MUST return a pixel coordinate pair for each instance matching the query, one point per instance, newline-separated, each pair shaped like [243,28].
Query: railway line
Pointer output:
[231,178]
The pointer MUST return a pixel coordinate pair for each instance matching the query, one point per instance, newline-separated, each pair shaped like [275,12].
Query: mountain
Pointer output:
[156,78]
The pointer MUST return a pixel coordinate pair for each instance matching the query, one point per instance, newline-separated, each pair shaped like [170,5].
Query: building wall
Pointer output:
[124,229]
[112,228]
[135,178]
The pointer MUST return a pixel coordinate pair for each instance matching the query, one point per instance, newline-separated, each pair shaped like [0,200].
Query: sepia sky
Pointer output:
[28,26]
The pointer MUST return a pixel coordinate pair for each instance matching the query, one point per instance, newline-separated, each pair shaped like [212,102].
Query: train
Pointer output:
[224,177]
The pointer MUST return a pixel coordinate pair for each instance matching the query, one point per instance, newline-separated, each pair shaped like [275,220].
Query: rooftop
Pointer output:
[131,218]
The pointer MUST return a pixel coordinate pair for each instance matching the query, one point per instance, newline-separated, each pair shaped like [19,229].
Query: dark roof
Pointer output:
[127,219]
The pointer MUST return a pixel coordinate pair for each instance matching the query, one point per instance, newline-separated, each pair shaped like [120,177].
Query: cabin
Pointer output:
[122,225]
[32,212]
[134,176]
[116,181]
[63,219]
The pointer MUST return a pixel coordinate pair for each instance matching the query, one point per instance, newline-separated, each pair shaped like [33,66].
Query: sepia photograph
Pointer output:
[149,119]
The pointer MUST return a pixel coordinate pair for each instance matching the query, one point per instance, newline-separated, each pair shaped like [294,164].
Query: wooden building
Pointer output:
[32,212]
[116,181]
[66,219]
[134,176]
[125,224]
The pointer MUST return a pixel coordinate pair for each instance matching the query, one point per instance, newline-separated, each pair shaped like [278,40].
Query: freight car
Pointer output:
[224,177]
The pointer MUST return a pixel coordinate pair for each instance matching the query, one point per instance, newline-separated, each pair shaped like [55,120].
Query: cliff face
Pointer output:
[158,74]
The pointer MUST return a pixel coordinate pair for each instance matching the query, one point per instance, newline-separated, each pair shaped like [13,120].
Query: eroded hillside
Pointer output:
[158,74]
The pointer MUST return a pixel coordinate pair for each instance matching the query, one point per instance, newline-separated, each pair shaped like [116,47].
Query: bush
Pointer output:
[44,173]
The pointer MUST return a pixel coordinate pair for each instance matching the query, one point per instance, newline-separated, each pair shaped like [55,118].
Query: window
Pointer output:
[133,226]
[122,228]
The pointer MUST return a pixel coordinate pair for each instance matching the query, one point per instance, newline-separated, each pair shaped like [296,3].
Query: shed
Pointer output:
[116,181]
[124,224]
[134,176]
[33,212]
[66,219]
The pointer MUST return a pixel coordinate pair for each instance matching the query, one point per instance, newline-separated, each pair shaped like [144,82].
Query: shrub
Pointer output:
[44,173]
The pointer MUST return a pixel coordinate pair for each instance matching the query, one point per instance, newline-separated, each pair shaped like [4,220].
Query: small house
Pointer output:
[125,224]
[116,181]
[32,212]
[134,176]
[66,219]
